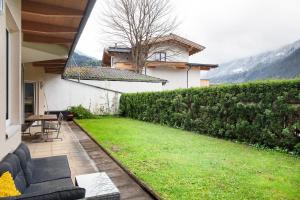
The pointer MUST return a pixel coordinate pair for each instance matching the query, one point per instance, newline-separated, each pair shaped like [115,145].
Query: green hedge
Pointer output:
[264,113]
[80,112]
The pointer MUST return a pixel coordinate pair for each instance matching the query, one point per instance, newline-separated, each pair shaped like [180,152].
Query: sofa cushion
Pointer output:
[12,164]
[26,162]
[50,168]
[42,169]
[49,185]
[62,193]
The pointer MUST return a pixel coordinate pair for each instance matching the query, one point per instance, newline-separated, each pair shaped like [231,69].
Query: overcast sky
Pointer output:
[229,29]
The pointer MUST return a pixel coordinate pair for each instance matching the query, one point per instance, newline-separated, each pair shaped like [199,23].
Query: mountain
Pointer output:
[281,63]
[82,60]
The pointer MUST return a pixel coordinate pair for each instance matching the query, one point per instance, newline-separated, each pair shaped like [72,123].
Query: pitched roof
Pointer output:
[193,47]
[108,74]
[119,49]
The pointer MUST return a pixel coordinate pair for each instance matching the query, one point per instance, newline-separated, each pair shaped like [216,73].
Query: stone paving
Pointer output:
[85,156]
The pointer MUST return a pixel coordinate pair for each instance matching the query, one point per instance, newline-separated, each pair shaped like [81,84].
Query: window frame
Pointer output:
[1,7]
[160,56]
[7,81]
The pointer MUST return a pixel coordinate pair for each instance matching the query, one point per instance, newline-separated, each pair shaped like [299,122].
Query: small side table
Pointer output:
[98,186]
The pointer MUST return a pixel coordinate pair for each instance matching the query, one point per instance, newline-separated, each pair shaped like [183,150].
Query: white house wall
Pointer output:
[10,19]
[177,78]
[61,94]
[125,86]
[194,78]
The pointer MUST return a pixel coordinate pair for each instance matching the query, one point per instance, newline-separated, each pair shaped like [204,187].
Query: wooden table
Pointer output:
[98,186]
[43,119]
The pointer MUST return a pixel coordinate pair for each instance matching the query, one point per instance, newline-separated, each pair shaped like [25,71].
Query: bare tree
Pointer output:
[138,24]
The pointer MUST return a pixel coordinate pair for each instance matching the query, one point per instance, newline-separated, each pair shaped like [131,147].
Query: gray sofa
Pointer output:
[40,178]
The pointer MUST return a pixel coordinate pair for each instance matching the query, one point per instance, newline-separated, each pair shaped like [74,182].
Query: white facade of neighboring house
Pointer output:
[178,78]
[174,52]
[168,59]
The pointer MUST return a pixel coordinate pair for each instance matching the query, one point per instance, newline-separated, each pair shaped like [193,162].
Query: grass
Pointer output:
[183,165]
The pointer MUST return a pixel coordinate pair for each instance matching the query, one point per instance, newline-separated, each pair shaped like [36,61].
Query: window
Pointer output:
[7,74]
[1,7]
[160,56]
[29,98]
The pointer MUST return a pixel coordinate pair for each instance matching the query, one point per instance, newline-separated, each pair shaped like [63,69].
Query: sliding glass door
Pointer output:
[29,98]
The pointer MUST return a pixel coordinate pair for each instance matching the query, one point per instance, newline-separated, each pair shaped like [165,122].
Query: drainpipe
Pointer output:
[78,77]
[187,76]
[200,76]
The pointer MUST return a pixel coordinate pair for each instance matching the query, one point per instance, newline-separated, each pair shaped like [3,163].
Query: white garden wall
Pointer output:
[125,86]
[61,94]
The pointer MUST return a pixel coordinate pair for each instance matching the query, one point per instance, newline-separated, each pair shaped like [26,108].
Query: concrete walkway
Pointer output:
[85,156]
[79,160]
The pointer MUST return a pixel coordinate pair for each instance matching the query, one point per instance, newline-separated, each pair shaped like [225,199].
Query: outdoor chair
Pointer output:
[54,127]
[25,127]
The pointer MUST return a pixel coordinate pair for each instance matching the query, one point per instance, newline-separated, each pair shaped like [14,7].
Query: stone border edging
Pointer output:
[134,177]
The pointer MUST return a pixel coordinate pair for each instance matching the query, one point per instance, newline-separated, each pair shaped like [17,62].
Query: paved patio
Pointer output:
[85,156]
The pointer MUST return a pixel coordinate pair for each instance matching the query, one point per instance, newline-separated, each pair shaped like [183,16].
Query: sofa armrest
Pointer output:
[63,193]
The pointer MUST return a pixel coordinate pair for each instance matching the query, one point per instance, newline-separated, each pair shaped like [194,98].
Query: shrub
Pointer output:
[80,112]
[264,113]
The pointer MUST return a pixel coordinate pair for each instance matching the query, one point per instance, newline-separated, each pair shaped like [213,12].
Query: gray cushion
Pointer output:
[12,164]
[49,185]
[26,163]
[42,169]
[62,193]
[50,168]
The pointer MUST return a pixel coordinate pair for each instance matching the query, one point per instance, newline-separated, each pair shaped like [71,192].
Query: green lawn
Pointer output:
[182,165]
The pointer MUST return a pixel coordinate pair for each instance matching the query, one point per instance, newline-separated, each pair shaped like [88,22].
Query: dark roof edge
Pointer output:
[87,13]
[115,79]
[202,65]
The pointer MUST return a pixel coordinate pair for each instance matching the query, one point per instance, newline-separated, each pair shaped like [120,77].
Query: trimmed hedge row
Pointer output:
[264,113]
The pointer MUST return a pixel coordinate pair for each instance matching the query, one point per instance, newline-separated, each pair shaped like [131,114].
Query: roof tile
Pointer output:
[108,74]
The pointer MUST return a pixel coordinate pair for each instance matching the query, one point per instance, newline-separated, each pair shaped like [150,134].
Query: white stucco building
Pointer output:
[168,59]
